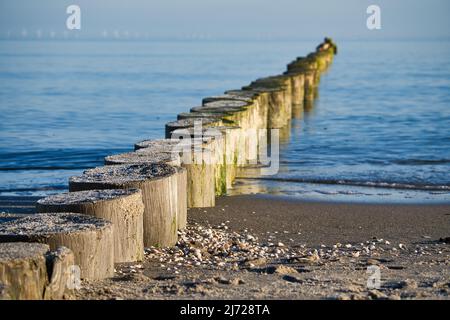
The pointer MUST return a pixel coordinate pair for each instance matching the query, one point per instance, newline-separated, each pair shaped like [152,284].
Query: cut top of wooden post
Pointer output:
[188,115]
[87,196]
[214,110]
[163,145]
[259,96]
[263,88]
[228,96]
[147,155]
[302,64]
[239,104]
[10,251]
[243,93]
[205,135]
[280,81]
[42,225]
[119,176]
[182,148]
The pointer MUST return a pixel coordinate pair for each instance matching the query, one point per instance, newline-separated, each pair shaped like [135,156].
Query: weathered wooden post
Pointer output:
[23,270]
[124,208]
[236,112]
[308,67]
[278,81]
[61,275]
[214,142]
[276,100]
[201,178]
[233,148]
[224,142]
[302,82]
[89,238]
[30,271]
[158,155]
[310,85]
[261,118]
[158,183]
[227,96]
[298,89]
[285,83]
[257,103]
[244,114]
[207,150]
[261,101]
[196,159]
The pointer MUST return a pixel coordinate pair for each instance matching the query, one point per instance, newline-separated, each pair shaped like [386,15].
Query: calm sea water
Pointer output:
[380,130]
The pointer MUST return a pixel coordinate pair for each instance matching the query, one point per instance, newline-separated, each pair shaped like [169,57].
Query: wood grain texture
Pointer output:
[200,179]
[89,238]
[182,193]
[160,151]
[191,155]
[59,263]
[158,183]
[30,271]
[124,209]
[23,270]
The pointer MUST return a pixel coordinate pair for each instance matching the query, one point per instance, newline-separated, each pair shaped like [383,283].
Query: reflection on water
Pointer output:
[285,134]
[336,193]
[308,107]
[297,111]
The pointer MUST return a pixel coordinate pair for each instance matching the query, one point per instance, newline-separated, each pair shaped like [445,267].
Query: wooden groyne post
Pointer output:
[124,208]
[31,271]
[196,159]
[158,183]
[89,238]
[159,155]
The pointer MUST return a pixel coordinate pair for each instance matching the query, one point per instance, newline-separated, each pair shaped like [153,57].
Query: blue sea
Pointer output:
[378,132]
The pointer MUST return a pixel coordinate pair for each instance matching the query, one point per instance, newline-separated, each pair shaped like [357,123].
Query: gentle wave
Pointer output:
[386,162]
[49,168]
[374,184]
[416,162]
[55,159]
[36,189]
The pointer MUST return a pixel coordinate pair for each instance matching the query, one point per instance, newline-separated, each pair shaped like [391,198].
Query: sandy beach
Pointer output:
[326,223]
[280,248]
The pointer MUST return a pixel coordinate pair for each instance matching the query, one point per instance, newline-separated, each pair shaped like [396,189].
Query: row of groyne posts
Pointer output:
[140,199]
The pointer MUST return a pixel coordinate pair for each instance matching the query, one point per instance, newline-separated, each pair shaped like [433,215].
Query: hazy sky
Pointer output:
[296,19]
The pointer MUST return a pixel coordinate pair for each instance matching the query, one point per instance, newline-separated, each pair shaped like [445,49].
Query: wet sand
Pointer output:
[328,222]
[264,247]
